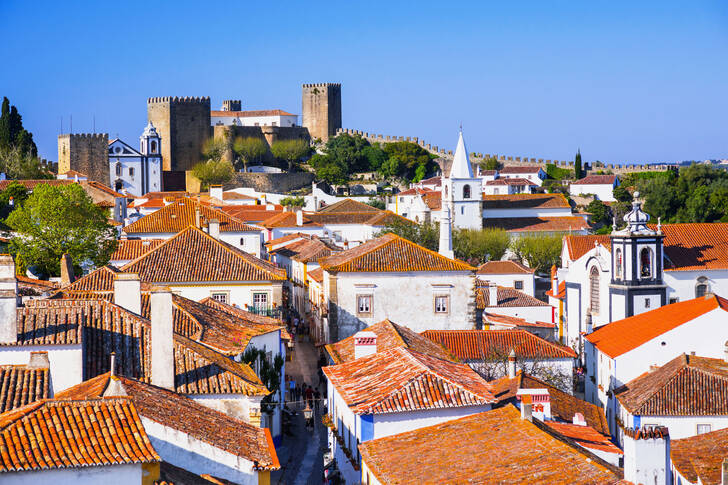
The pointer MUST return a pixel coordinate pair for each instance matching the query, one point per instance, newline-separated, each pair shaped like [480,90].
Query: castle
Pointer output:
[183,124]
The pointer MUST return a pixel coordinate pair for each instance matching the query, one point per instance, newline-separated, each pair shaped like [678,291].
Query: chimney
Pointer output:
[66,270]
[646,454]
[213,228]
[492,294]
[527,408]
[554,281]
[8,300]
[365,343]
[512,364]
[299,218]
[725,351]
[114,387]
[579,419]
[39,360]
[162,339]
[128,292]
[216,192]
[197,218]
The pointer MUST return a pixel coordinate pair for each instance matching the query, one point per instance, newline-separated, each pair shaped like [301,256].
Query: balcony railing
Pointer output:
[266,311]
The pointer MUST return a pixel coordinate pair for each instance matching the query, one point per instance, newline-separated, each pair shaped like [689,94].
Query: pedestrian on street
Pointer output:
[292,390]
[317,399]
[309,396]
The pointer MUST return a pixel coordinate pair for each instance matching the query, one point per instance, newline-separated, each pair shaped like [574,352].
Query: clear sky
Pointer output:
[624,81]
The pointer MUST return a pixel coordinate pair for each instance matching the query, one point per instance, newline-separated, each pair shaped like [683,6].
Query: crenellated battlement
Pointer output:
[202,100]
[87,136]
[322,85]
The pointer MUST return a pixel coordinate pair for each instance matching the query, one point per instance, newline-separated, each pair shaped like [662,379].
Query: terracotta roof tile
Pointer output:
[537,224]
[596,180]
[31,184]
[507,297]
[414,191]
[686,386]
[433,200]
[251,213]
[525,201]
[389,335]
[621,336]
[494,446]
[579,245]
[317,275]
[400,379]
[348,205]
[700,458]
[513,322]
[516,169]
[180,214]
[504,267]
[51,434]
[34,286]
[193,255]
[181,413]
[129,249]
[287,219]
[510,181]
[21,385]
[585,436]
[390,253]
[251,113]
[477,345]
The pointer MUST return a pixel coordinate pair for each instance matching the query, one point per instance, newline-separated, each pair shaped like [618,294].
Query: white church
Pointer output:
[136,172]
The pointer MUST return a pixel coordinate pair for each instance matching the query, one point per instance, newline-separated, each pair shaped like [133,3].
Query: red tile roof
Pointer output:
[562,291]
[510,181]
[348,205]
[389,335]
[21,385]
[515,169]
[31,184]
[180,214]
[51,434]
[621,336]
[34,286]
[307,248]
[478,345]
[700,458]
[504,267]
[250,113]
[251,213]
[686,386]
[129,249]
[537,224]
[317,275]
[513,322]
[433,200]
[579,245]
[400,379]
[390,253]
[563,406]
[496,446]
[596,180]
[287,219]
[585,436]
[525,201]
[181,413]
[414,191]
[507,297]
[193,255]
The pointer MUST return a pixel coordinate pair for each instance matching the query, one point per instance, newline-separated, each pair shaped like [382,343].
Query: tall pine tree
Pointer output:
[12,133]
[577,164]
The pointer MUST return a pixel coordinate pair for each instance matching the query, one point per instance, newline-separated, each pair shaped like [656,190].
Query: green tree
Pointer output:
[290,150]
[58,219]
[214,149]
[479,246]
[377,203]
[269,374]
[411,156]
[490,163]
[250,150]
[425,234]
[348,151]
[558,173]
[661,200]
[599,211]
[375,157]
[293,201]
[622,194]
[537,250]
[12,133]
[21,165]
[11,198]
[332,173]
[577,165]
[213,172]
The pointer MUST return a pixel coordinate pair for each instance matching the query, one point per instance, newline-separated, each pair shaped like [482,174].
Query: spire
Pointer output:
[461,168]
[637,219]
[445,248]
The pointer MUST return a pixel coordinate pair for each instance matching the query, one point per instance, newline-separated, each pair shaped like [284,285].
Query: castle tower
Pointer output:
[87,153]
[183,125]
[150,145]
[232,105]
[637,258]
[321,109]
[463,190]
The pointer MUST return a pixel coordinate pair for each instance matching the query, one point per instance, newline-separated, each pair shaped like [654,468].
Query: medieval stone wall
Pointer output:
[270,134]
[321,105]
[271,182]
[87,153]
[183,125]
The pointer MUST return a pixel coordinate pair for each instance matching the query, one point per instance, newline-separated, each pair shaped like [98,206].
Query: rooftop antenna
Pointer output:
[94,123]
[61,124]
[71,123]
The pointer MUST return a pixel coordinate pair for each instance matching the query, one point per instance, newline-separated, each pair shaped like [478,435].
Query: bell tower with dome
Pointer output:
[637,264]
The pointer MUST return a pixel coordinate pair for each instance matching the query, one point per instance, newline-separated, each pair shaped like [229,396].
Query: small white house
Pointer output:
[534,173]
[601,186]
[266,117]
[509,186]
[510,274]
[494,299]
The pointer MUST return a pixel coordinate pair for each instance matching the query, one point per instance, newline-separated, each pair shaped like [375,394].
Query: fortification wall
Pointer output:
[183,123]
[270,134]
[87,153]
[321,109]
[271,182]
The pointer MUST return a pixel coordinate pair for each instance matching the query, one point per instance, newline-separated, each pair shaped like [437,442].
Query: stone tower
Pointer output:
[183,124]
[232,105]
[321,109]
[87,153]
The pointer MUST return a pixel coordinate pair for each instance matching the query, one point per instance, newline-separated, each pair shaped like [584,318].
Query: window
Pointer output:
[645,263]
[496,191]
[703,428]
[118,169]
[364,304]
[618,264]
[518,284]
[594,289]
[260,300]
[702,288]
[242,242]
[222,296]
[674,300]
[462,210]
[647,303]
[442,303]
[466,192]
[154,146]
[131,171]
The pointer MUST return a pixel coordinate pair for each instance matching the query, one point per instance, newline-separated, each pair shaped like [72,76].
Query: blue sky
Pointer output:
[624,81]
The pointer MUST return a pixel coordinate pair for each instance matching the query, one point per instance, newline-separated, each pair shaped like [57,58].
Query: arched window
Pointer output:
[118,169]
[702,287]
[618,264]
[646,263]
[594,289]
[466,192]
[154,146]
[446,191]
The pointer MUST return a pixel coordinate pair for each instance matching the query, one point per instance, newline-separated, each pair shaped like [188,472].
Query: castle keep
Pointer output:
[86,153]
[183,124]
[321,109]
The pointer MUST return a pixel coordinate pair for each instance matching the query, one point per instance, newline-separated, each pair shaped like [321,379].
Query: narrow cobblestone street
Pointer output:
[301,453]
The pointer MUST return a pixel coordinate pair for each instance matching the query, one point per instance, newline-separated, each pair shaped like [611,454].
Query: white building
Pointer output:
[700,460]
[510,274]
[601,186]
[136,172]
[499,300]
[509,186]
[533,173]
[461,190]
[267,117]
[391,277]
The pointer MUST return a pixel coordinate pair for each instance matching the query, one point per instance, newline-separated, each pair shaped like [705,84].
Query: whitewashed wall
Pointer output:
[508,280]
[128,474]
[536,212]
[241,294]
[603,192]
[66,362]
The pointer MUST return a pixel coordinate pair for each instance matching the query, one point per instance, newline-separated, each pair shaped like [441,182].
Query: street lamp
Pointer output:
[308,415]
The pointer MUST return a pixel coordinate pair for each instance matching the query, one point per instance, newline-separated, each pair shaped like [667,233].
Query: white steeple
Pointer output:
[461,168]
[446,234]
